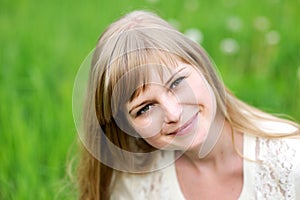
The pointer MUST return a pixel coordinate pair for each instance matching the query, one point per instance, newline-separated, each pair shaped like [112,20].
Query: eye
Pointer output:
[144,109]
[177,82]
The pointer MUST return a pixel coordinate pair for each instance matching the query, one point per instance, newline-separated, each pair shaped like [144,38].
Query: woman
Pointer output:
[160,124]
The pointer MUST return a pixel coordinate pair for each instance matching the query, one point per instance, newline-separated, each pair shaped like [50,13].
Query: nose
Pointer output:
[172,108]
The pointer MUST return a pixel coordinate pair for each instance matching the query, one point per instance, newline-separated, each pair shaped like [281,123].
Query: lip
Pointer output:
[186,127]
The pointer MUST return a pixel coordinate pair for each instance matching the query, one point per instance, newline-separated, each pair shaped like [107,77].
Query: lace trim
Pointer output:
[155,185]
[273,179]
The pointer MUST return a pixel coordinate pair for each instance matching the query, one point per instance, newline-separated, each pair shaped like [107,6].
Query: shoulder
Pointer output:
[149,185]
[277,154]
[275,144]
[276,172]
[277,149]
[274,150]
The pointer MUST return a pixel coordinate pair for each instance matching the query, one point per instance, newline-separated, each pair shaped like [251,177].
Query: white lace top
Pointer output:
[276,177]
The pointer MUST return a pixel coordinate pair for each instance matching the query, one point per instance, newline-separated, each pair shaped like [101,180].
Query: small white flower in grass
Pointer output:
[194,34]
[174,23]
[229,46]
[272,37]
[234,23]
[261,23]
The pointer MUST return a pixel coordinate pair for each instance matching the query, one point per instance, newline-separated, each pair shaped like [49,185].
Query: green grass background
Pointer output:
[44,42]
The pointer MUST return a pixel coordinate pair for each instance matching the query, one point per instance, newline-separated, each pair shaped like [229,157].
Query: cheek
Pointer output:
[149,125]
[203,92]
[144,129]
[156,141]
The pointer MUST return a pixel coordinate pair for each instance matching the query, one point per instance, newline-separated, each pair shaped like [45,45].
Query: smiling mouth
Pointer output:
[186,127]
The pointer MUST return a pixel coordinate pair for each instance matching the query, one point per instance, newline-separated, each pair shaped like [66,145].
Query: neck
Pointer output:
[222,152]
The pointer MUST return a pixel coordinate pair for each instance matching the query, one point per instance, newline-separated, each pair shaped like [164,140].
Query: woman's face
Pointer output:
[174,112]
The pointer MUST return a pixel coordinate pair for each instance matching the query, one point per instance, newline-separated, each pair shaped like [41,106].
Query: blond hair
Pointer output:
[136,40]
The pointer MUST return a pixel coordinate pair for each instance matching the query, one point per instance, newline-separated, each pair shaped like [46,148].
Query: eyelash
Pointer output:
[177,82]
[147,107]
[144,109]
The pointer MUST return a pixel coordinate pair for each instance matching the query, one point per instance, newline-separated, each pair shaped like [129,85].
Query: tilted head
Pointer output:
[136,50]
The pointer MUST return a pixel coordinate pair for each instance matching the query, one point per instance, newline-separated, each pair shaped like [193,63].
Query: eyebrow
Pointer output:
[173,75]
[166,83]
[136,106]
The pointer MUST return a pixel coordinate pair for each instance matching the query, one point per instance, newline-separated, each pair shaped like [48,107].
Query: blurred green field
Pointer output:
[254,43]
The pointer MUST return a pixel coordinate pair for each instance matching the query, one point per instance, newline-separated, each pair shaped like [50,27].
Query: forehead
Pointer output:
[132,73]
[151,74]
[148,66]
[160,76]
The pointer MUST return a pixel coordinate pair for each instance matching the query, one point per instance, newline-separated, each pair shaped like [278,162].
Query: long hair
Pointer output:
[138,39]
